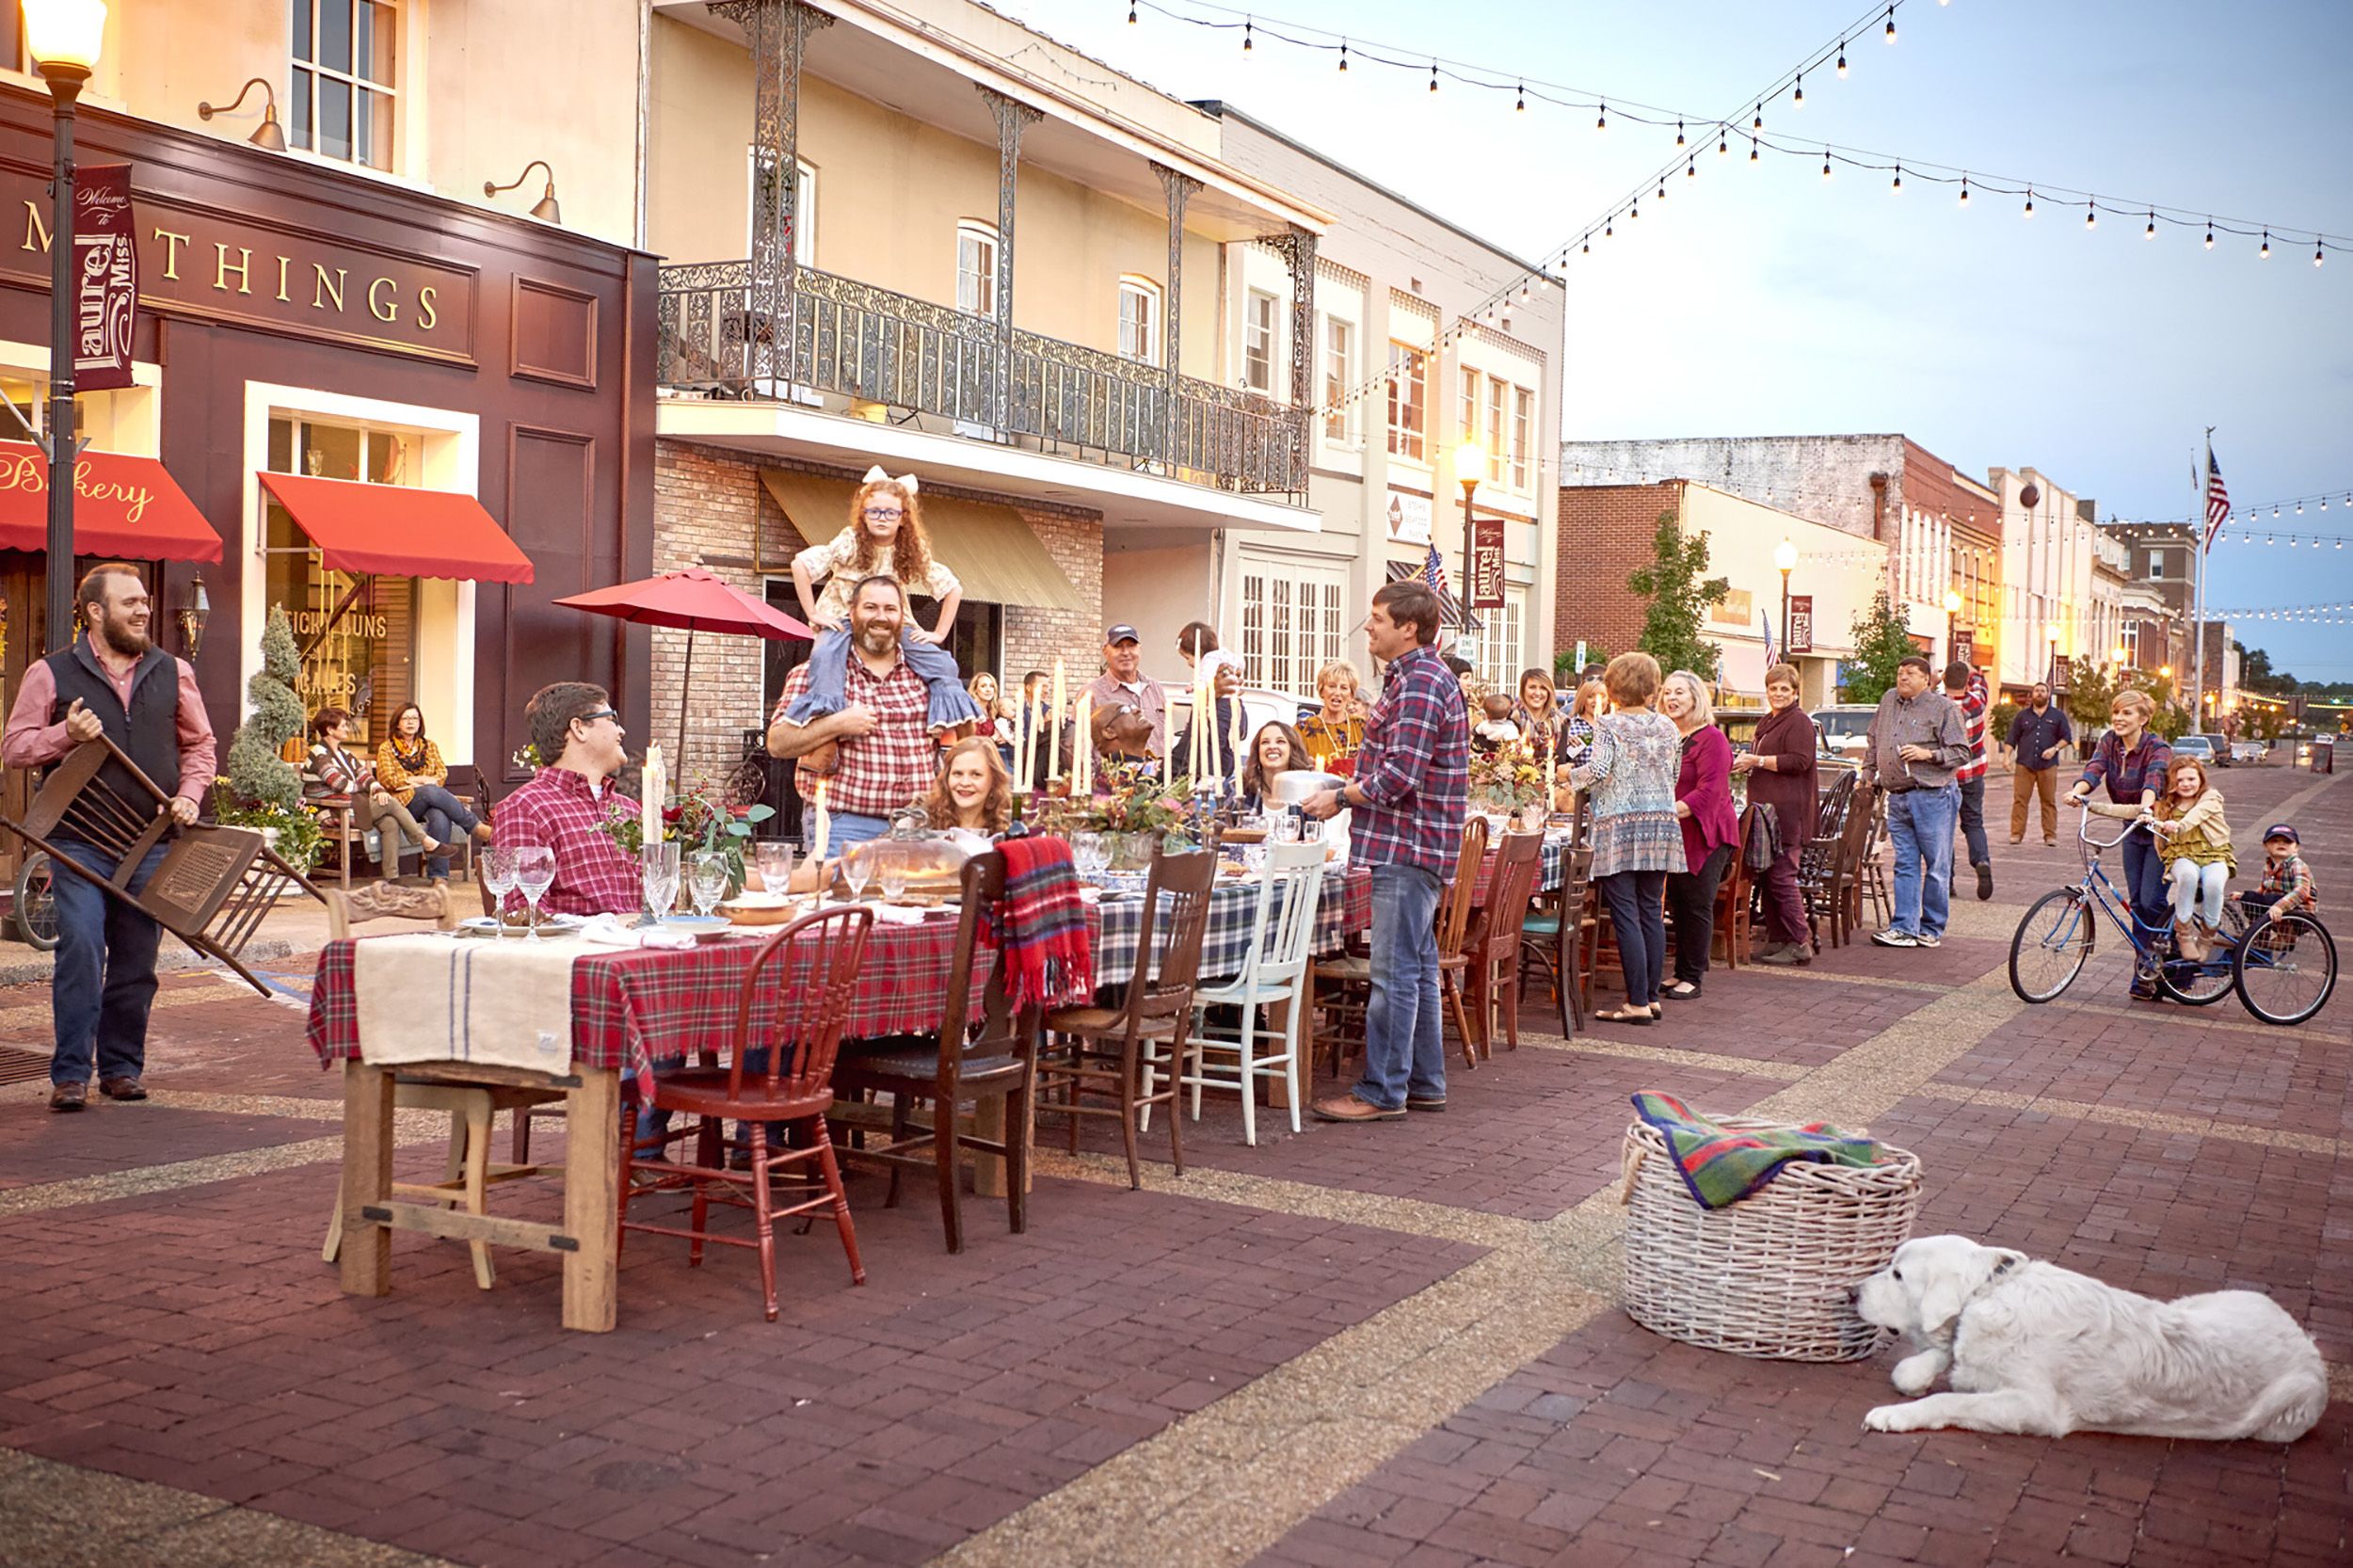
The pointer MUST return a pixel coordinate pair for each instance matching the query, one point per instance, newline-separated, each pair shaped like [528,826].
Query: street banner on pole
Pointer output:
[105,278]
[1485,573]
[1799,634]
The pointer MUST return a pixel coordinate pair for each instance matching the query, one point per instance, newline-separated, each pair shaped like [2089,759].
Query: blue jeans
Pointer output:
[844,829]
[1404,1053]
[105,975]
[2145,886]
[1973,821]
[444,817]
[1637,914]
[1920,827]
[829,673]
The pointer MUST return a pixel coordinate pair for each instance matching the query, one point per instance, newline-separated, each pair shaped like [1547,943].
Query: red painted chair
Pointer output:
[781,1070]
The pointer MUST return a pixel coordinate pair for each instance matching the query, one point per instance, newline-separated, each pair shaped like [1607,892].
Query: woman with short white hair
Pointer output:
[1711,830]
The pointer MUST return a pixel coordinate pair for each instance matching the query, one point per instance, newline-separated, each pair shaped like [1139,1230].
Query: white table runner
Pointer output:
[504,1003]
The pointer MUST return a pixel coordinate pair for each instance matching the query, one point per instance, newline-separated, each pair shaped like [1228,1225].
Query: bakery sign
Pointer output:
[192,260]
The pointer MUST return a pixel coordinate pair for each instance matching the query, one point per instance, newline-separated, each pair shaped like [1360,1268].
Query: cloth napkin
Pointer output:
[608,931]
[1722,1165]
[1040,925]
[432,998]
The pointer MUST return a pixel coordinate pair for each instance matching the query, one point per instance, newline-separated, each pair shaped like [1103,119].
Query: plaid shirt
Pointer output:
[2289,885]
[1973,713]
[1414,772]
[881,772]
[2128,773]
[562,811]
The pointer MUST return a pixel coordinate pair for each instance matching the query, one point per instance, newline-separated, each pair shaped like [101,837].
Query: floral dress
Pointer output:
[1631,773]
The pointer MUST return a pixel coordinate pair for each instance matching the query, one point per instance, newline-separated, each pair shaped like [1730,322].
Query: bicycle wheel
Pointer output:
[2203,985]
[35,912]
[2286,968]
[2052,945]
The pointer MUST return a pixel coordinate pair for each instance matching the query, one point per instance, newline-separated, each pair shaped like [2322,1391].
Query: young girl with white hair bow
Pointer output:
[884,539]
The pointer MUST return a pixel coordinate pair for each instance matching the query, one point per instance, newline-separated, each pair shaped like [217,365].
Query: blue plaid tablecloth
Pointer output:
[1345,908]
[1550,871]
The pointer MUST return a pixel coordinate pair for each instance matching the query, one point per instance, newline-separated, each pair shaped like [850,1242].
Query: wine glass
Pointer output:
[535,874]
[658,871]
[892,868]
[498,876]
[774,857]
[857,865]
[1090,853]
[709,881]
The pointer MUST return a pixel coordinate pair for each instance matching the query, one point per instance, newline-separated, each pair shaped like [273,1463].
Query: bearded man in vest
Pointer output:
[113,682]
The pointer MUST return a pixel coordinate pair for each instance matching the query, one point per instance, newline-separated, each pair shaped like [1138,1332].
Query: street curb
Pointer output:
[23,966]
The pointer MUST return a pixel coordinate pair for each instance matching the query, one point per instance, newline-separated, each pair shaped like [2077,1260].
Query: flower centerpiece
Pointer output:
[1506,780]
[699,821]
[1141,813]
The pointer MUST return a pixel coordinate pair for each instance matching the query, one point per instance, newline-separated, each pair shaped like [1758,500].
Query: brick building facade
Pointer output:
[1606,534]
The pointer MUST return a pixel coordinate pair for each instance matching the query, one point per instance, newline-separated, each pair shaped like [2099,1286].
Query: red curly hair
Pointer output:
[911,551]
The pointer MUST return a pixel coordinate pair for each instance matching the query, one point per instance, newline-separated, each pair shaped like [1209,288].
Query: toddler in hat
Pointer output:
[2288,883]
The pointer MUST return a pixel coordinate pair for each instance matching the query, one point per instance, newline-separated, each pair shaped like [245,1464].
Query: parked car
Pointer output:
[2250,751]
[2218,745]
[2196,746]
[1844,728]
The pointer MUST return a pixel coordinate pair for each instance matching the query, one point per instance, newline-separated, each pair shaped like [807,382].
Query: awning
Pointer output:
[123,506]
[1450,611]
[393,531]
[994,554]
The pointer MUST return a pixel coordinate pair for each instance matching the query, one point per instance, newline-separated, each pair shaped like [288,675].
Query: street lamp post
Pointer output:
[62,36]
[1470,462]
[1786,558]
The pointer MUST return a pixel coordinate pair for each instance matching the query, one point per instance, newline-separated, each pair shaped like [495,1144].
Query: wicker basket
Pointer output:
[1766,1276]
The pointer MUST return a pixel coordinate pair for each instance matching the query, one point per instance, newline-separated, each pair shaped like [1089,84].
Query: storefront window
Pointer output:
[357,636]
[344,55]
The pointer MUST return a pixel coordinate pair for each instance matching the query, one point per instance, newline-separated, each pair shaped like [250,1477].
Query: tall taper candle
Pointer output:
[1053,741]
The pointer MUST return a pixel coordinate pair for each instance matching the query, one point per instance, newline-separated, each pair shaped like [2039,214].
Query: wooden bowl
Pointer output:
[757,914]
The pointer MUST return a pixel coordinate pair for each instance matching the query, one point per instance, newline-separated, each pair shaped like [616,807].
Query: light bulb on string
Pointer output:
[1964,190]
[1897,184]
[1758,123]
[1434,75]
[1132,16]
[2265,252]
[2151,233]
[1343,57]
[1842,59]
[2318,256]
[2210,234]
[1245,36]
[1751,150]
[1723,141]
[1662,188]
[1589,243]
[1601,122]
[1690,169]
[2030,213]
[1521,106]
[1678,132]
[1890,25]
[1797,100]
[2299,508]
[2275,511]
[1825,163]
[2091,215]
[1634,211]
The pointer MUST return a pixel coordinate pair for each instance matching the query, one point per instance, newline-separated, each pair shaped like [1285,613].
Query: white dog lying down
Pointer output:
[2038,1350]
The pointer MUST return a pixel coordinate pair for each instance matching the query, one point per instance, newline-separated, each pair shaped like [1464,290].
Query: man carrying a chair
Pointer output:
[113,682]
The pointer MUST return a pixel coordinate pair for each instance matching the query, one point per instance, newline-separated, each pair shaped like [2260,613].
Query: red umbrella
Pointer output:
[695,599]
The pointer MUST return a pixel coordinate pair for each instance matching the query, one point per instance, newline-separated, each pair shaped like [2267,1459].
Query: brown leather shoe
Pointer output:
[1348,1108]
[69,1096]
[127,1088]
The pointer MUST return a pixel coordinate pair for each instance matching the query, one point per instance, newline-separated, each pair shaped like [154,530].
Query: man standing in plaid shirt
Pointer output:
[1965,685]
[884,754]
[1410,793]
[566,806]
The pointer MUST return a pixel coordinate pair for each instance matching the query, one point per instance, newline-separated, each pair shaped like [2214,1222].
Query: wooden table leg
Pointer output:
[366,1262]
[592,1178]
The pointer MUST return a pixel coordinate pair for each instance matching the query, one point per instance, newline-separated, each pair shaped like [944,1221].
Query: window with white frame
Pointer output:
[1409,391]
[1140,320]
[1466,404]
[1293,623]
[1523,419]
[1498,428]
[1258,342]
[762,205]
[1496,650]
[1339,371]
[976,267]
[340,101]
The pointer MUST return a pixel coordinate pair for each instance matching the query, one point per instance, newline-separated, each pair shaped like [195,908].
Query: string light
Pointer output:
[1343,57]
[1798,99]
[1751,150]
[1899,185]
[1890,24]
[1245,37]
[2029,201]
[2210,234]
[1601,121]
[1723,142]
[1521,108]
[1132,16]
[1842,59]
[1758,123]
[1678,132]
[2319,257]
[1690,169]
[1825,163]
[1434,75]
[2265,252]
[1964,190]
[2151,233]
[2091,215]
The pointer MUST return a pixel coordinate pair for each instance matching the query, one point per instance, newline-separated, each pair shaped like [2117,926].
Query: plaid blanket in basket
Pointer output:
[1722,1165]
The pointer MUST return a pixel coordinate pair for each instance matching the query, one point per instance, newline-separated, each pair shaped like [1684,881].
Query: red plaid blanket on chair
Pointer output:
[1040,926]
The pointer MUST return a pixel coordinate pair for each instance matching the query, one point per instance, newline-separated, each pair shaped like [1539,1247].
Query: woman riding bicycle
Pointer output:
[2132,761]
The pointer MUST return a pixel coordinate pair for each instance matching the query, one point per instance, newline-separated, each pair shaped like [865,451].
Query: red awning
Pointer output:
[123,506]
[393,531]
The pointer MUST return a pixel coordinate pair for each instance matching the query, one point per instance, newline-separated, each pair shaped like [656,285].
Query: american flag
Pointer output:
[1766,622]
[2218,499]
[1434,572]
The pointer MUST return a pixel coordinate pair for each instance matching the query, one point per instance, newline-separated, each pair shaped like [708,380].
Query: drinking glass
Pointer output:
[774,857]
[498,876]
[857,865]
[658,871]
[708,882]
[1311,830]
[1090,852]
[535,874]
[892,870]
[1285,828]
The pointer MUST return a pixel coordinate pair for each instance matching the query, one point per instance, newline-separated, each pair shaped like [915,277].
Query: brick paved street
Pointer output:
[1384,1345]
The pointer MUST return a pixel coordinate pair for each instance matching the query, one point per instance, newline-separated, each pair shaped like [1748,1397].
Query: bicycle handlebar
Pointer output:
[2083,829]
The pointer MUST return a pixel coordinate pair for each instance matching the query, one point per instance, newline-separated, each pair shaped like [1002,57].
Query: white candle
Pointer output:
[1082,746]
[1053,739]
[1025,742]
[821,831]
[649,808]
[1240,741]
[1196,759]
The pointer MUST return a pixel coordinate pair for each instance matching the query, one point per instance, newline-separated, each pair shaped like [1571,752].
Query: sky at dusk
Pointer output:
[1760,299]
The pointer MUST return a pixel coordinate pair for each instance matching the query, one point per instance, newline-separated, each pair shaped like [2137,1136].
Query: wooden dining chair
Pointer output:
[1734,898]
[1492,950]
[1344,983]
[789,1020]
[1560,926]
[1129,1055]
[1274,972]
[986,1049]
[469,1175]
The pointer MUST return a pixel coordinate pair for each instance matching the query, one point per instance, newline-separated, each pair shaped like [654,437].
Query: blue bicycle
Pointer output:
[2283,971]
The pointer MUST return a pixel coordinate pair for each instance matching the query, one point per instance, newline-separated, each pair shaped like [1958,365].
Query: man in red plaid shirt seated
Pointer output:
[578,736]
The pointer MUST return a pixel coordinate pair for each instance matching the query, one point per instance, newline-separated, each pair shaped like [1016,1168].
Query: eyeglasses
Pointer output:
[599,714]
[885,514]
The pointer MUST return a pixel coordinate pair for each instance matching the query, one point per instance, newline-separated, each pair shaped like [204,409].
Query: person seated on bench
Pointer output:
[349,774]
[410,767]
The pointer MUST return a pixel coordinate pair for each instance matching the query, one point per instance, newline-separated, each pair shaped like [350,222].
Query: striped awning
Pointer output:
[1449,608]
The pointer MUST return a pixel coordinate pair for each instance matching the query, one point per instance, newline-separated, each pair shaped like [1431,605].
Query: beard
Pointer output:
[877,638]
[122,637]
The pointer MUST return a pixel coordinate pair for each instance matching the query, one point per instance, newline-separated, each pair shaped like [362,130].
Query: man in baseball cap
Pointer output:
[1123,684]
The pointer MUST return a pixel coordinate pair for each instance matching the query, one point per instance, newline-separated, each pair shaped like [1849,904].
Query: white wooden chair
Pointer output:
[466,1178]
[1273,971]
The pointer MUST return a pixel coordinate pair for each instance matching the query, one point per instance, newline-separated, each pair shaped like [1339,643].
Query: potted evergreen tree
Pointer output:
[262,791]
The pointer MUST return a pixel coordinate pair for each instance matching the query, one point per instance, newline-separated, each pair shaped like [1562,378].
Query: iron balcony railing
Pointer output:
[861,341]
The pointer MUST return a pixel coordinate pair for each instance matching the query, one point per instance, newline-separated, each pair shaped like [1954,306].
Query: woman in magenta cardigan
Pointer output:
[1782,773]
[1710,831]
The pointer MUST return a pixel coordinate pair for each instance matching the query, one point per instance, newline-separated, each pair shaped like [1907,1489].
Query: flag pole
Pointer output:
[2198,589]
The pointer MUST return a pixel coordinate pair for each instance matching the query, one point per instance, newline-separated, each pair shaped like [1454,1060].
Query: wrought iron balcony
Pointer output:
[855,341]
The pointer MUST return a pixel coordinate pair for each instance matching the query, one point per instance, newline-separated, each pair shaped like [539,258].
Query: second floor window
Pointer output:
[762,205]
[1140,320]
[1258,342]
[1523,419]
[1339,368]
[1409,377]
[976,268]
[340,105]
[1499,428]
[1466,407]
